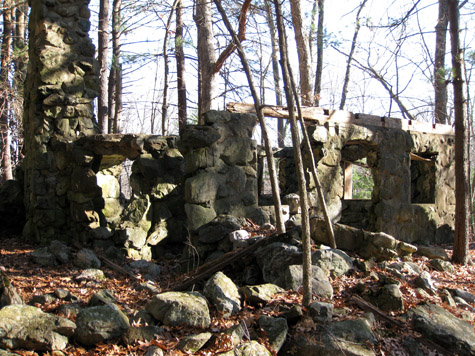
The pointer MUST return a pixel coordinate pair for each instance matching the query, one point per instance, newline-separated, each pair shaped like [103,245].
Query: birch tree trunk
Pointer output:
[5,58]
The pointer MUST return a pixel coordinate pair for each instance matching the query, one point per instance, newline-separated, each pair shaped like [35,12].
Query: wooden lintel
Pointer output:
[345,117]
[415,157]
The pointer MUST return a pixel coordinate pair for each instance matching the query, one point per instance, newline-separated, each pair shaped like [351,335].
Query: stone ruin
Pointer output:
[75,180]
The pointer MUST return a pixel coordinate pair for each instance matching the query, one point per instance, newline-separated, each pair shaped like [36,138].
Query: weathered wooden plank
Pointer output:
[323,116]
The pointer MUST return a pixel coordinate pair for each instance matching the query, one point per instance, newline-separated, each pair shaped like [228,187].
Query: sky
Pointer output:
[378,49]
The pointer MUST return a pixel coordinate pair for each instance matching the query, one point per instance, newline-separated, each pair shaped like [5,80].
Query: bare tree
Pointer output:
[462,167]
[115,75]
[346,81]
[320,36]
[5,88]
[103,44]
[440,82]
[180,67]
[303,51]
[304,206]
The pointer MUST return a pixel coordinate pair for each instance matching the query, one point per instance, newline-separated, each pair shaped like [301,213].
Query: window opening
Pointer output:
[423,178]
[359,182]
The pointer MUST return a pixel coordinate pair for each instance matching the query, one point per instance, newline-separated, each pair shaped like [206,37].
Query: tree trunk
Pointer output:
[275,72]
[206,58]
[180,67]
[5,58]
[103,44]
[257,103]
[462,176]
[303,52]
[304,206]
[115,75]
[346,81]
[320,35]
[440,82]
[166,71]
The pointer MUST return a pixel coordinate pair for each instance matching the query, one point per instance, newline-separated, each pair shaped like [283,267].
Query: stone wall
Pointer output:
[413,196]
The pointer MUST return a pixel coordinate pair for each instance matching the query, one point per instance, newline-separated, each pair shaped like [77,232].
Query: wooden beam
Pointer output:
[323,116]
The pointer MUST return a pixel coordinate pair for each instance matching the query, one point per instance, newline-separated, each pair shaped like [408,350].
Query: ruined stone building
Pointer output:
[178,184]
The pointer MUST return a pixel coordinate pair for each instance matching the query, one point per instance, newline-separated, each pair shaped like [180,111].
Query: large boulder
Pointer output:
[261,293]
[223,294]
[275,330]
[180,308]
[440,326]
[27,327]
[275,257]
[100,323]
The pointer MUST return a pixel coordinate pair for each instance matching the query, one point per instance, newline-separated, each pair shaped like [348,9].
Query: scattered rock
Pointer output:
[223,294]
[43,257]
[60,251]
[91,274]
[321,312]
[332,261]
[43,299]
[8,293]
[390,298]
[103,297]
[101,323]
[180,308]
[455,335]
[141,333]
[150,270]
[293,279]
[433,252]
[260,294]
[27,327]
[441,265]
[86,258]
[252,348]
[275,330]
[154,351]
[468,297]
[424,281]
[447,297]
[193,343]
[69,310]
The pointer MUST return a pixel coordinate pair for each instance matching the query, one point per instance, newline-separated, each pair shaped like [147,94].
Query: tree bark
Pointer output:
[304,206]
[115,75]
[346,81]
[166,70]
[303,51]
[320,35]
[275,72]
[440,82]
[103,44]
[206,58]
[257,103]
[180,67]
[462,175]
[5,58]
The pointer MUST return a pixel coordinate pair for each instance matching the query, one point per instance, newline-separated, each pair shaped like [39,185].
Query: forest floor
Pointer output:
[31,279]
